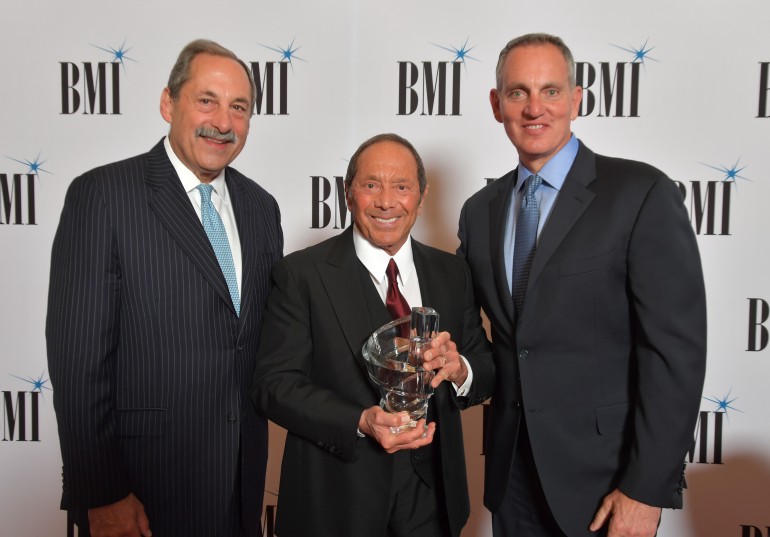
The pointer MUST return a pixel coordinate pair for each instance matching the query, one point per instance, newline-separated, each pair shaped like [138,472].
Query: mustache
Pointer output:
[211,132]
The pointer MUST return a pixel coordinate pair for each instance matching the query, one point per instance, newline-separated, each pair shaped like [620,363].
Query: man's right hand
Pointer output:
[375,422]
[124,518]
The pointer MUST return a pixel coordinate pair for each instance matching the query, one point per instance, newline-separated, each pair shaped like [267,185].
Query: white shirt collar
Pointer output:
[376,260]
[188,178]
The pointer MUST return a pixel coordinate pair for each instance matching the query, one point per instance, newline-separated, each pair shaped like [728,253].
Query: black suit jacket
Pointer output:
[149,362]
[311,379]
[607,360]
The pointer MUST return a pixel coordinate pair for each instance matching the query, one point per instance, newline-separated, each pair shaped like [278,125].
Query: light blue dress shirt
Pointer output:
[553,173]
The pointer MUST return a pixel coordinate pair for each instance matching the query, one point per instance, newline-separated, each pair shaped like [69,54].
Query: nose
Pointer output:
[385,199]
[221,119]
[534,106]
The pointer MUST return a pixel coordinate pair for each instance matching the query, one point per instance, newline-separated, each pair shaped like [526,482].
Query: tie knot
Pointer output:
[392,272]
[532,183]
[205,190]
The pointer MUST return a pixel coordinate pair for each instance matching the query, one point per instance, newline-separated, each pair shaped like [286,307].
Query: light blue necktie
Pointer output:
[214,228]
[525,240]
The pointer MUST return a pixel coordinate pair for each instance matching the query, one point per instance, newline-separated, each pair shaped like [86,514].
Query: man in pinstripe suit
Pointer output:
[150,352]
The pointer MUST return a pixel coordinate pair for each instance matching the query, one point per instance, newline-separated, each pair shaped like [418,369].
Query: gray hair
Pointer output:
[386,137]
[180,73]
[536,39]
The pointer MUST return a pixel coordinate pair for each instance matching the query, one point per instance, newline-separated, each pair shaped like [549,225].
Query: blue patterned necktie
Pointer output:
[214,228]
[525,240]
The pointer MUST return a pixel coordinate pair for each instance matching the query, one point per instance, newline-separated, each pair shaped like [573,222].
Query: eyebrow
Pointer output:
[209,93]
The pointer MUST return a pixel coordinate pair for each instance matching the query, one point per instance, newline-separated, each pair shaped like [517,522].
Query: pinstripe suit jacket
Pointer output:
[149,362]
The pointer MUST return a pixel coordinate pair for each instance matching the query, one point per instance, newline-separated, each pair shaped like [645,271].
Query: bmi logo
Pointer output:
[759,311]
[328,202]
[764,89]
[611,89]
[93,87]
[21,411]
[432,86]
[707,444]
[17,193]
[272,78]
[754,531]
[709,201]
[268,515]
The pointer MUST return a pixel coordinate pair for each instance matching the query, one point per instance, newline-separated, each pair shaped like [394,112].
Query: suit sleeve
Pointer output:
[82,338]
[475,346]
[668,299]
[282,388]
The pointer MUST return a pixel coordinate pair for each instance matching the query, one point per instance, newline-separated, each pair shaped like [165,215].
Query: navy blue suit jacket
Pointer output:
[607,360]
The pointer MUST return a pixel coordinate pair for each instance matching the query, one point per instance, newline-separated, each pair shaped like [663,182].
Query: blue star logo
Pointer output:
[732,174]
[460,53]
[288,54]
[34,166]
[641,54]
[724,404]
[38,384]
[118,55]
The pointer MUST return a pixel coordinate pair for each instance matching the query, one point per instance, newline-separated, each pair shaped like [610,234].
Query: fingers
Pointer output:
[378,424]
[421,435]
[626,517]
[141,520]
[445,360]
[601,515]
[125,518]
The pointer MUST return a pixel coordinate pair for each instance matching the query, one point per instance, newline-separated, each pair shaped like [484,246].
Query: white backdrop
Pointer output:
[695,106]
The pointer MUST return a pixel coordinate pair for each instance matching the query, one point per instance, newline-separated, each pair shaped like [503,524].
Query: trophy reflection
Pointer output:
[393,356]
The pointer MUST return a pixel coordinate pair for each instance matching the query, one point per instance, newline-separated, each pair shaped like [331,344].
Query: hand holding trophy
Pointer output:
[394,363]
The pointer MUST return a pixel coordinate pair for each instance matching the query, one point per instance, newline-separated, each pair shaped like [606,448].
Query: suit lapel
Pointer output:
[172,206]
[344,279]
[573,200]
[428,276]
[497,219]
[435,290]
[246,220]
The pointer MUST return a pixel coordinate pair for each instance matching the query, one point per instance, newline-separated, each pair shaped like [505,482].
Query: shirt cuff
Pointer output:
[464,390]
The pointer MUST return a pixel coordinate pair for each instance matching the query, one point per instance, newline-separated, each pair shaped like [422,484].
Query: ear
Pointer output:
[166,105]
[494,100]
[577,96]
[422,199]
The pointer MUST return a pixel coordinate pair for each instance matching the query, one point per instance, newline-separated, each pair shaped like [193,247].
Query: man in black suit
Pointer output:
[599,331]
[152,324]
[344,472]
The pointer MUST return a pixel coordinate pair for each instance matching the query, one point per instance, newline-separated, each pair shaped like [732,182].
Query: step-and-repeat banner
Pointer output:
[683,86]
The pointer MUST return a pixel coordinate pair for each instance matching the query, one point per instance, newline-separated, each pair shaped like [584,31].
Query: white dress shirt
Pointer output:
[220,197]
[376,261]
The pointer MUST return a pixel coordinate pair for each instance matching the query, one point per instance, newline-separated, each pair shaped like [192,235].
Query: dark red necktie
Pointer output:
[395,301]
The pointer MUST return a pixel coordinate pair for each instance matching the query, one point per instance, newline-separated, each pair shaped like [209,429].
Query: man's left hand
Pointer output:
[443,358]
[627,517]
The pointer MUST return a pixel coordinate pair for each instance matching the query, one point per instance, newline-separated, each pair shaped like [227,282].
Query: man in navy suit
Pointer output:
[159,275]
[599,330]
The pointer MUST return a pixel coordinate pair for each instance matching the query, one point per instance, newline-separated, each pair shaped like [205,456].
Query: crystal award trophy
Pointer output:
[395,363]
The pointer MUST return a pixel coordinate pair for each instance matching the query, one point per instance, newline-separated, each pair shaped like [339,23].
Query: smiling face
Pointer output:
[384,196]
[535,102]
[210,117]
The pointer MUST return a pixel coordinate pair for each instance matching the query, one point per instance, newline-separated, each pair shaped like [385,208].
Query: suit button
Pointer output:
[240,348]
[231,418]
[523,354]
[516,404]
